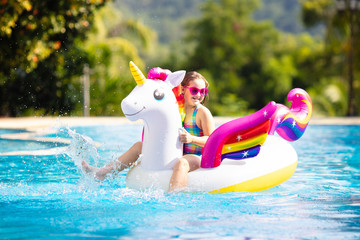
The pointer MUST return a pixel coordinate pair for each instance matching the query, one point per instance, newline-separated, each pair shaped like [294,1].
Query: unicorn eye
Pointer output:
[159,94]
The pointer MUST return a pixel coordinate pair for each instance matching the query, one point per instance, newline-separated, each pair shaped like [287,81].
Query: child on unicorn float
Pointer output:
[198,125]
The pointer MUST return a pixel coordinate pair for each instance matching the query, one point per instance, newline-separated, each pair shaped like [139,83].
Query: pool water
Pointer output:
[48,197]
[7,131]
[23,145]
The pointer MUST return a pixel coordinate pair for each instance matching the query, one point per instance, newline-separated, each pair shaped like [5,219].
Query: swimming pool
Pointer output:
[47,196]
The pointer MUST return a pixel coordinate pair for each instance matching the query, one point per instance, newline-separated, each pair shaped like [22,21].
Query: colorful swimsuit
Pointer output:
[193,129]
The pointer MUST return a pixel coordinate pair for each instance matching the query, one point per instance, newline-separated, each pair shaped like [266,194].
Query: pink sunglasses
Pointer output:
[195,90]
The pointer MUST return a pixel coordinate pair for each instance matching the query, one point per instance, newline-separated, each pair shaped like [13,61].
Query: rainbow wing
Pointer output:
[246,143]
[238,139]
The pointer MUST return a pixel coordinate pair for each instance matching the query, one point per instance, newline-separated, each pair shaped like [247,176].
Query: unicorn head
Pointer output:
[155,103]
[150,97]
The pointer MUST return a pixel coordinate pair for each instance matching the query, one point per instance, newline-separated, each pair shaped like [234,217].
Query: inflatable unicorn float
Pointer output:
[241,155]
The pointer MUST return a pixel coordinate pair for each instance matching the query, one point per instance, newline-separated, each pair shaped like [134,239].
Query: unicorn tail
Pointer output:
[291,123]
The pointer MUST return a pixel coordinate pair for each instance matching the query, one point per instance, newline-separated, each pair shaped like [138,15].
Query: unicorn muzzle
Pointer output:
[131,108]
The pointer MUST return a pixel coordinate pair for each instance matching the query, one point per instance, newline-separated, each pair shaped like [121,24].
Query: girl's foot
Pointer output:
[94,171]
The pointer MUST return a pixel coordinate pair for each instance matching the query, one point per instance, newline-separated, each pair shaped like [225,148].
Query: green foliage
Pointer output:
[285,15]
[247,61]
[46,45]
[32,30]
[164,16]
[243,57]
[313,11]
[329,97]
[252,62]
[307,57]
[37,53]
[111,44]
[49,89]
[342,40]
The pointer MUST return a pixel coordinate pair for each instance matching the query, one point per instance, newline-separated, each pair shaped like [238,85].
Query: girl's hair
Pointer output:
[190,76]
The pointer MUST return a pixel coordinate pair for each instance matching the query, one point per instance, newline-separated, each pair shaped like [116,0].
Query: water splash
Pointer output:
[82,148]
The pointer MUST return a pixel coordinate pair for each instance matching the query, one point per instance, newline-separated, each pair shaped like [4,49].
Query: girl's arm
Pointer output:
[205,121]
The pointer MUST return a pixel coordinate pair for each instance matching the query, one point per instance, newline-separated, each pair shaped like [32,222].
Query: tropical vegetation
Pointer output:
[250,51]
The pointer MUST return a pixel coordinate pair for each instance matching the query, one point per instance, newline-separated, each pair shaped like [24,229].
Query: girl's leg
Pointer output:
[179,177]
[124,161]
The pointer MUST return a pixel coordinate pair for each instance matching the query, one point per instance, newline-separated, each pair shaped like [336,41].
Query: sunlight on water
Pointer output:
[50,197]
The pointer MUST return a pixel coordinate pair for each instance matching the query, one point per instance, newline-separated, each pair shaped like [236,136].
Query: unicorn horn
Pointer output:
[137,74]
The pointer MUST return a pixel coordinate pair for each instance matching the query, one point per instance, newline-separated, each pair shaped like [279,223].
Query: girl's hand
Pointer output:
[185,137]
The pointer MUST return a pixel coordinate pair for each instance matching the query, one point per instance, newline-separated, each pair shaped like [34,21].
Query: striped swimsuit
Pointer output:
[193,129]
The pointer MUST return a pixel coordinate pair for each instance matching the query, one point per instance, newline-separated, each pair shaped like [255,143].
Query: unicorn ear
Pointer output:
[175,78]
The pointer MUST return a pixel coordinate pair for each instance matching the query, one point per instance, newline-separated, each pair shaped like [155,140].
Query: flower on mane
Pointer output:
[158,74]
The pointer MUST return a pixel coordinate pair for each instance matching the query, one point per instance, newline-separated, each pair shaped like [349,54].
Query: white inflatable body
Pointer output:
[263,161]
[275,163]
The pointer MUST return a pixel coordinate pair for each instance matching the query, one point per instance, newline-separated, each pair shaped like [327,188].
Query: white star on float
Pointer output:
[245,154]
[265,113]
[278,120]
[229,148]
[293,123]
[239,138]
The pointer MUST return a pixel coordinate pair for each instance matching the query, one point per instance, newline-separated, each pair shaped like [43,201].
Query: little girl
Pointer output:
[198,125]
